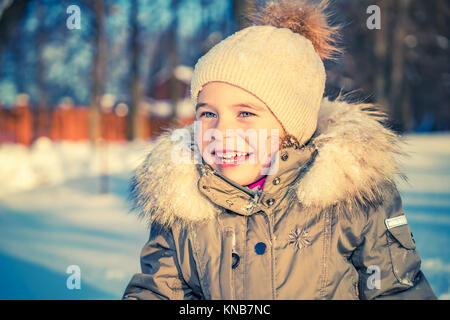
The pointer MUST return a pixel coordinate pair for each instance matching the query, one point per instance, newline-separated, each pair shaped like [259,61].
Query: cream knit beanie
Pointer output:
[279,60]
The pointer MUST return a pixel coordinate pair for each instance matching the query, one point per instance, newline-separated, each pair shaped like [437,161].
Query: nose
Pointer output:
[225,135]
[223,130]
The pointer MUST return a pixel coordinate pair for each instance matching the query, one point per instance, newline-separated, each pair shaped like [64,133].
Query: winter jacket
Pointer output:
[328,225]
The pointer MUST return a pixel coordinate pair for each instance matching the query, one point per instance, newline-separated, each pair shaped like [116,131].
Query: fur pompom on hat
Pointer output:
[278,58]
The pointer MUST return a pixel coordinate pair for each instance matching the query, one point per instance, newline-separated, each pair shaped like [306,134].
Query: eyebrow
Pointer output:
[248,105]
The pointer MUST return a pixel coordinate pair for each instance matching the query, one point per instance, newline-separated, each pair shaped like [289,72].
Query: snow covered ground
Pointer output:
[53,215]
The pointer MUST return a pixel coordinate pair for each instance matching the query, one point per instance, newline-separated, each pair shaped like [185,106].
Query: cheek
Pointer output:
[203,131]
[271,139]
[201,142]
[205,144]
[198,137]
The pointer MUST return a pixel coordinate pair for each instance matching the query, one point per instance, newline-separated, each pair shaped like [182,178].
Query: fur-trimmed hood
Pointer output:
[355,156]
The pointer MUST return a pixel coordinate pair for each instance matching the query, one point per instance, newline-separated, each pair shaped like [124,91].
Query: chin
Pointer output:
[242,176]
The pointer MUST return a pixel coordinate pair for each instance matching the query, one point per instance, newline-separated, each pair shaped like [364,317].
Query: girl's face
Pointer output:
[238,134]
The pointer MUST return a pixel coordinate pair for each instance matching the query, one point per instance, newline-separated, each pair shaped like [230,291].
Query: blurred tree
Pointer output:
[404,66]
[399,98]
[41,120]
[11,22]
[41,36]
[98,69]
[205,29]
[381,54]
[174,93]
[134,127]
[10,19]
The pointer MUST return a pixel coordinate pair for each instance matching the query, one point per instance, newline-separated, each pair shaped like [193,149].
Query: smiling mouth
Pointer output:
[230,158]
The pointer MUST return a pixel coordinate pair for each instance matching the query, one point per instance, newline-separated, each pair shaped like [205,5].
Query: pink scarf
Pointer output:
[259,183]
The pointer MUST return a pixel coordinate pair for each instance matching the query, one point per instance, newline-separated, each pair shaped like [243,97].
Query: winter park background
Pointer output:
[80,108]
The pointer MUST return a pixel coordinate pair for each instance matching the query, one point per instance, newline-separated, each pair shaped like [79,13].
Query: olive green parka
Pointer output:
[329,224]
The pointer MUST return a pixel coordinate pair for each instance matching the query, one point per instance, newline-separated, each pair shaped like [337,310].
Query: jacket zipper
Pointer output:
[271,230]
[228,276]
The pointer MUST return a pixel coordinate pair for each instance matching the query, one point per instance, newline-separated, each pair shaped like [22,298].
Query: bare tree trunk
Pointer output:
[135,127]
[381,42]
[98,71]
[174,88]
[10,20]
[401,107]
[42,107]
[19,60]
[98,78]
[205,23]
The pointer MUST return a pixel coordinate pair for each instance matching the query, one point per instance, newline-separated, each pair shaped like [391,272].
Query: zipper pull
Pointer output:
[257,195]
[233,242]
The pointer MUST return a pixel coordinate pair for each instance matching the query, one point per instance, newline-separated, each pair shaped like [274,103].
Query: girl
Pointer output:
[319,217]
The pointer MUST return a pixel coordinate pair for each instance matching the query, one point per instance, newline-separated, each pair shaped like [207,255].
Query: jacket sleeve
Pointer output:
[387,261]
[162,264]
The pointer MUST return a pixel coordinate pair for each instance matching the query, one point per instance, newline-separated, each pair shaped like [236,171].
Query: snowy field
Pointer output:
[53,215]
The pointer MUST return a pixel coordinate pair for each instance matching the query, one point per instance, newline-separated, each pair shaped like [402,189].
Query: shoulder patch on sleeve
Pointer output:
[396,221]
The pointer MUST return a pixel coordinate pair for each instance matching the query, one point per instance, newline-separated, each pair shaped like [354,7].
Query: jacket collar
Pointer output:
[246,201]
[353,155]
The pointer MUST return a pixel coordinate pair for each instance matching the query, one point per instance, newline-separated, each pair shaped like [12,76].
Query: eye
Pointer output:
[205,113]
[249,114]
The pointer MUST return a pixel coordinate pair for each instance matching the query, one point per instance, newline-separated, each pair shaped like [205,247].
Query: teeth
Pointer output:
[231,155]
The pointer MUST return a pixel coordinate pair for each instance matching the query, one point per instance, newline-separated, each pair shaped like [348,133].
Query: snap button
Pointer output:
[270,202]
[235,257]
[284,156]
[205,188]
[260,248]
[276,181]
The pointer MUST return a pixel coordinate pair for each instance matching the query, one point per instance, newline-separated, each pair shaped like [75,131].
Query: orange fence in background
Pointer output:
[69,124]
[16,125]
[22,125]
